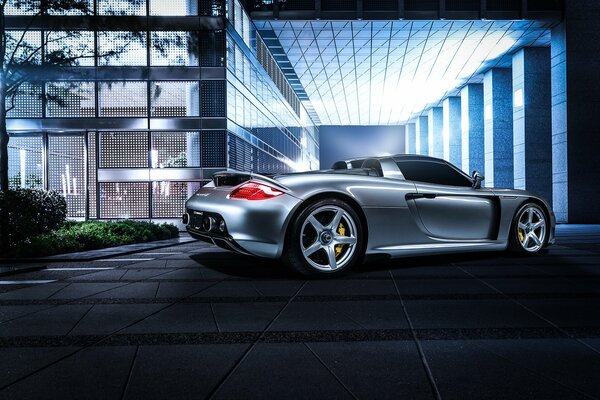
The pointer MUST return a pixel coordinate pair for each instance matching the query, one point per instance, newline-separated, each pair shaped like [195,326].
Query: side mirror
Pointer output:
[477,178]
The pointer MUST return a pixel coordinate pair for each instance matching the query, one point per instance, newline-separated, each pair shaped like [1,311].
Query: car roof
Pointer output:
[404,157]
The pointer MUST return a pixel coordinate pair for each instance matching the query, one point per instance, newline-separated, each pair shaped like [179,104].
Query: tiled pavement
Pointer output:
[193,321]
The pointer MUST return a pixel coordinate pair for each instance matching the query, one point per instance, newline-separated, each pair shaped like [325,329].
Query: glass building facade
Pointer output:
[163,95]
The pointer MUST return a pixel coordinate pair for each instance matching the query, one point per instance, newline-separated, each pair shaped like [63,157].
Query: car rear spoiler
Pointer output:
[234,178]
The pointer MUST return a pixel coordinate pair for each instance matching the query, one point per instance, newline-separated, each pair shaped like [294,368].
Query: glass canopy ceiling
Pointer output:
[386,72]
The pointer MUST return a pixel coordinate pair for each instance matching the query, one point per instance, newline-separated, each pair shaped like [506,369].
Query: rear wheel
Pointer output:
[529,231]
[325,240]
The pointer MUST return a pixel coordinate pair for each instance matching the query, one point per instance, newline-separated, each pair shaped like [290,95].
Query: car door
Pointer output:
[446,204]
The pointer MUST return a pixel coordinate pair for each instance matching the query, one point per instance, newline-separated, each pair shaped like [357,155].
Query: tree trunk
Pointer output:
[3,139]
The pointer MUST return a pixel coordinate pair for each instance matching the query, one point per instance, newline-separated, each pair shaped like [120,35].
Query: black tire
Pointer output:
[517,234]
[293,255]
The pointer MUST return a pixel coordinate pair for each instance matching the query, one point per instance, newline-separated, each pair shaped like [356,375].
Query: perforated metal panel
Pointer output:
[70,99]
[175,149]
[28,49]
[338,5]
[175,99]
[173,7]
[66,171]
[25,162]
[122,48]
[123,99]
[124,200]
[78,45]
[214,148]
[168,198]
[74,11]
[212,48]
[121,7]
[92,175]
[27,103]
[123,149]
[213,98]
[240,154]
[18,7]
[174,48]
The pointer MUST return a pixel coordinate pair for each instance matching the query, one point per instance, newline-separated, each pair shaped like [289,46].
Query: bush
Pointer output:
[90,235]
[28,212]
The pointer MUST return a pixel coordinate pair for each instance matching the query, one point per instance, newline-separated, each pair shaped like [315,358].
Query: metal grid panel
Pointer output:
[123,99]
[72,11]
[175,149]
[175,99]
[18,7]
[212,48]
[66,171]
[122,48]
[122,7]
[174,48]
[213,98]
[28,50]
[27,103]
[124,200]
[213,148]
[168,198]
[386,72]
[25,156]
[70,99]
[123,150]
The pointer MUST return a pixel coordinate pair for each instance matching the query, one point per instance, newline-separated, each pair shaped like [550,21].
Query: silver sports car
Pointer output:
[325,222]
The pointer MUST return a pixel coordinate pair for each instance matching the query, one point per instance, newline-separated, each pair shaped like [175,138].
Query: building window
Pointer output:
[175,149]
[174,99]
[27,103]
[25,162]
[66,171]
[173,7]
[123,99]
[168,198]
[122,48]
[174,48]
[76,45]
[124,200]
[123,150]
[70,99]
[122,7]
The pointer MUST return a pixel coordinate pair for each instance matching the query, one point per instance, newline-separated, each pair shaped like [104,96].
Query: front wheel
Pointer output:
[326,239]
[529,231]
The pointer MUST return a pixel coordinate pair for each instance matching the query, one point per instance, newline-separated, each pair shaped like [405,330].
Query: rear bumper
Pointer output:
[252,227]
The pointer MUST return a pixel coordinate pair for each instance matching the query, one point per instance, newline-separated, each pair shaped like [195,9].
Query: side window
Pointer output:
[432,172]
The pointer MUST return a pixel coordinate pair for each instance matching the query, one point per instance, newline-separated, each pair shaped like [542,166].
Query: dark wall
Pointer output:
[343,142]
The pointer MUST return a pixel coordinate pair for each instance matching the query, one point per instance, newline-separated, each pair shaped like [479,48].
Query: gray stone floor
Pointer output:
[193,321]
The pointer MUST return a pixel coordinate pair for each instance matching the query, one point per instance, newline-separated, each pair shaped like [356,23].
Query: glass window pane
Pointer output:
[25,47]
[175,99]
[87,7]
[173,7]
[76,46]
[174,48]
[175,149]
[122,48]
[123,150]
[124,200]
[123,99]
[213,148]
[122,7]
[168,198]
[66,171]
[20,7]
[213,98]
[433,172]
[25,162]
[70,99]
[27,103]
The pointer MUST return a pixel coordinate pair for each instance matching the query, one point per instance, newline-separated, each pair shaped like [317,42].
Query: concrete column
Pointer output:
[471,104]
[411,137]
[532,121]
[452,133]
[498,127]
[435,118]
[422,135]
[576,110]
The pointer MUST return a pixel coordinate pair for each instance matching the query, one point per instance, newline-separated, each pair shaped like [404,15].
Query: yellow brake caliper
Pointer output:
[521,235]
[338,248]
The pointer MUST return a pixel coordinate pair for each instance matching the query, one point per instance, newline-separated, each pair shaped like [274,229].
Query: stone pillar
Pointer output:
[411,137]
[435,118]
[575,112]
[471,104]
[422,135]
[452,133]
[498,128]
[532,121]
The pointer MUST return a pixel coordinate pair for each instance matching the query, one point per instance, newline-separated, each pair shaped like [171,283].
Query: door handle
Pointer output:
[413,196]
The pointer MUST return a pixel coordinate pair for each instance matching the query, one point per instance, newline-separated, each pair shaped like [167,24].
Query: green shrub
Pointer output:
[90,235]
[28,212]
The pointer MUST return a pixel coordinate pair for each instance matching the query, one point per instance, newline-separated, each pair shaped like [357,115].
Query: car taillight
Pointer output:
[254,191]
